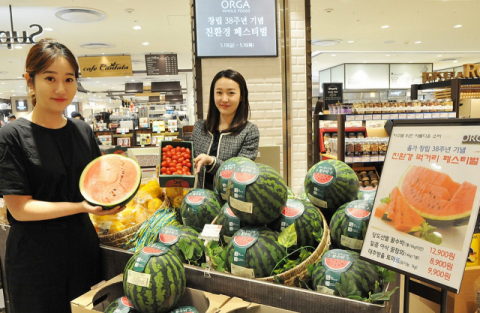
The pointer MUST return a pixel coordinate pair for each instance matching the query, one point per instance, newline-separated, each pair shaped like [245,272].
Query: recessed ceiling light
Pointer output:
[385,26]
[96,45]
[334,55]
[145,43]
[315,62]
[133,80]
[438,56]
[364,62]
[48,29]
[455,61]
[449,59]
[417,42]
[13,90]
[3,83]
[350,41]
[410,62]
[326,42]
[19,77]
[387,55]
[457,26]
[137,27]
[80,15]
[18,47]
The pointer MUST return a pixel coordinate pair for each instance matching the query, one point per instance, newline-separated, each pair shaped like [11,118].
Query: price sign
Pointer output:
[424,214]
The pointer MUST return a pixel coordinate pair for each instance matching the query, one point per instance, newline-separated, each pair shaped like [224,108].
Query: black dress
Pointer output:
[50,262]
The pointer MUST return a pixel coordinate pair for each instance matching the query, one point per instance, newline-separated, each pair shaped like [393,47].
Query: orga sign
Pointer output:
[469,71]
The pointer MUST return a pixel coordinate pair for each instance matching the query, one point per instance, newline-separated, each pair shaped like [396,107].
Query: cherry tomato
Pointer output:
[187,150]
[164,163]
[163,170]
[189,165]
[168,172]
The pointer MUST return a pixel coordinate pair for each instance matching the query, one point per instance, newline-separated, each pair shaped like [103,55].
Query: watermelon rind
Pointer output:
[339,225]
[128,194]
[207,211]
[167,283]
[223,220]
[189,236]
[263,255]
[267,194]
[362,273]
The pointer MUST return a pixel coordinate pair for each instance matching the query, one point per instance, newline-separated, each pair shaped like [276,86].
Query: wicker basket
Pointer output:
[300,271]
[119,239]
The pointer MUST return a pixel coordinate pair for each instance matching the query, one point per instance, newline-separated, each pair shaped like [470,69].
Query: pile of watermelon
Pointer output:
[199,207]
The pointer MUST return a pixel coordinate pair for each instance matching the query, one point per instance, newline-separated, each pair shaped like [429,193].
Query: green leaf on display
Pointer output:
[288,237]
[346,287]
[386,199]
[278,280]
[382,296]
[310,268]
[318,235]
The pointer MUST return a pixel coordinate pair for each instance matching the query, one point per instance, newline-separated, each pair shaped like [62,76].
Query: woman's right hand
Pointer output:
[97,210]
[201,160]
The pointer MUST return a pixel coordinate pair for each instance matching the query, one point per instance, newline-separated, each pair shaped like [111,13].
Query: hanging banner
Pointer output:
[427,201]
[105,66]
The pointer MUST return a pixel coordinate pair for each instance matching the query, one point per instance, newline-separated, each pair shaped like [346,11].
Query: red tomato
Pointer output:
[164,149]
[182,149]
[187,150]
[180,159]
[163,170]
[168,172]
[189,165]
[164,163]
[172,164]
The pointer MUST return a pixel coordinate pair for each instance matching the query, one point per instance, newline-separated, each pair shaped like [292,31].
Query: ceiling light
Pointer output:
[315,62]
[137,27]
[13,90]
[326,42]
[19,77]
[387,55]
[417,42]
[145,43]
[3,83]
[364,62]
[96,45]
[350,41]
[457,26]
[334,55]
[133,80]
[80,15]
[449,59]
[455,61]
[385,26]
[18,47]
[48,29]
[438,56]
[410,62]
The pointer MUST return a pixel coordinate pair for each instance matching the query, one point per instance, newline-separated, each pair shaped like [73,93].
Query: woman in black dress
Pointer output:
[52,252]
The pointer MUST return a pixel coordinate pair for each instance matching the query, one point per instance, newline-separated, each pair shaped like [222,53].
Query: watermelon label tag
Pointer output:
[233,222]
[336,262]
[194,199]
[243,239]
[243,175]
[225,172]
[185,309]
[292,210]
[146,253]
[322,176]
[169,235]
[124,306]
[357,212]
[242,271]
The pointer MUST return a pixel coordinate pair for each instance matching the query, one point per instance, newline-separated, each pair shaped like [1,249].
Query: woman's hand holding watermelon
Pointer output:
[97,210]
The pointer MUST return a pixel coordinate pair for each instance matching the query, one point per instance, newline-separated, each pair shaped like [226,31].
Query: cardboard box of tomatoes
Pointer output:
[176,164]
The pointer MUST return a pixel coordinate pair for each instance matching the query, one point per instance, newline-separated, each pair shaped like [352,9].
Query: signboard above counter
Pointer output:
[161,64]
[105,66]
[375,76]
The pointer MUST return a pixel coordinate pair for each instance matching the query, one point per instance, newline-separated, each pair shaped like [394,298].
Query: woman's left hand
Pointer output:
[97,210]
[201,160]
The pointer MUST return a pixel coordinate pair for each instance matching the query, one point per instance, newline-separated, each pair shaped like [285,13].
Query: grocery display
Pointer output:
[384,106]
[166,283]
[180,236]
[110,180]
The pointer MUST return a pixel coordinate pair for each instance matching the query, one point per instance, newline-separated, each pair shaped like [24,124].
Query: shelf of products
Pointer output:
[392,107]
[400,116]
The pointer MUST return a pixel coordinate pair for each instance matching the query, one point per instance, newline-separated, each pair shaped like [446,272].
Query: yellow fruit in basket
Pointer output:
[185,191]
[177,202]
[141,215]
[127,216]
[154,205]
[102,219]
[116,227]
[150,190]
[173,192]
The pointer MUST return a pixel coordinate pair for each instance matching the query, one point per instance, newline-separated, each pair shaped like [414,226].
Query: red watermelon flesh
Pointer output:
[406,219]
[126,302]
[243,177]
[360,213]
[230,212]
[195,199]
[166,238]
[226,174]
[391,210]
[151,250]
[243,240]
[322,178]
[336,264]
[462,200]
[290,212]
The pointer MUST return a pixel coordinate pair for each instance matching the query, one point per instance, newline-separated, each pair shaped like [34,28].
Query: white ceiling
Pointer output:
[166,26]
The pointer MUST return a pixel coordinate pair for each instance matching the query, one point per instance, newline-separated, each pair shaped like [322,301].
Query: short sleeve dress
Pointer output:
[49,262]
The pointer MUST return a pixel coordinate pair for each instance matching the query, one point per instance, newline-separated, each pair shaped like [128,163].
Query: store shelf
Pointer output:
[399,116]
[358,159]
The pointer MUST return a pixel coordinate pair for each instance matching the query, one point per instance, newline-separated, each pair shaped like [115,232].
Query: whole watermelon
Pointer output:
[167,280]
[199,207]
[363,274]
[307,220]
[122,304]
[349,224]
[266,195]
[230,223]
[187,235]
[219,198]
[330,184]
[224,172]
[262,256]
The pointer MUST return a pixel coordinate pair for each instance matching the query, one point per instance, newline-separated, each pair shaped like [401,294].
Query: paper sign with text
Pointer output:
[427,203]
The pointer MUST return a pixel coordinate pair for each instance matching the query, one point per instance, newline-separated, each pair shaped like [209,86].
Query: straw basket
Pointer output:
[119,239]
[300,270]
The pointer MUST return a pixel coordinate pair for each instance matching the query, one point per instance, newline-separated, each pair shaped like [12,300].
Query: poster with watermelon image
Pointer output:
[426,203]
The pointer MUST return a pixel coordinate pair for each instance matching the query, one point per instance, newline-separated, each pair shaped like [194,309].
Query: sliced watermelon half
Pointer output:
[230,212]
[359,213]
[195,199]
[242,241]
[226,174]
[336,264]
[126,302]
[291,212]
[151,250]
[167,238]
[243,177]
[322,179]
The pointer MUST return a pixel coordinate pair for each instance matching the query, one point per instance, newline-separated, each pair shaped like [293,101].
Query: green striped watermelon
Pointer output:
[229,225]
[187,235]
[120,305]
[167,281]
[199,207]
[267,196]
[224,172]
[363,274]
[262,256]
[349,224]
[330,184]
[307,220]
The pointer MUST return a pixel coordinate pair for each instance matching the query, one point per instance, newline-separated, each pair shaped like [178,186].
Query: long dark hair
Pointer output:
[243,111]
[42,55]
